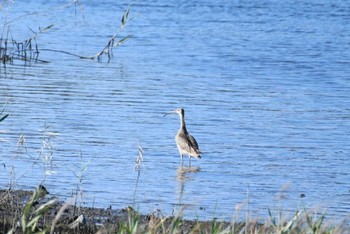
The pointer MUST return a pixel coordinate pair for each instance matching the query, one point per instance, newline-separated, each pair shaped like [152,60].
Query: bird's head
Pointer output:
[178,111]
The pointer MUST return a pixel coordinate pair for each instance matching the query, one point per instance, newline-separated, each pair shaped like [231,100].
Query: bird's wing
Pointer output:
[193,143]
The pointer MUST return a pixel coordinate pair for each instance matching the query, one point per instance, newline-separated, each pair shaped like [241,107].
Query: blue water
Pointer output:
[265,86]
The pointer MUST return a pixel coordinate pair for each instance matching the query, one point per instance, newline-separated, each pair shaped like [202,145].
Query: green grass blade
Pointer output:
[33,223]
[320,221]
[308,220]
[44,207]
[121,41]
[24,223]
[273,220]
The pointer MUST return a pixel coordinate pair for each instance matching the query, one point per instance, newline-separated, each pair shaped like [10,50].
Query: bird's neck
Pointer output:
[183,125]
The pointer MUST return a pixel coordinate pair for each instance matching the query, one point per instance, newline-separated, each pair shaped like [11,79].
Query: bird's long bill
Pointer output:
[170,112]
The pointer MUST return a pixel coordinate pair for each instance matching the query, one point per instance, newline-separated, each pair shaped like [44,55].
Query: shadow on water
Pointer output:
[184,174]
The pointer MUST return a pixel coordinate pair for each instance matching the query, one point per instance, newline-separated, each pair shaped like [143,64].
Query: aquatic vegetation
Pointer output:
[113,42]
[137,167]
[79,175]
[28,50]
[3,116]
[12,49]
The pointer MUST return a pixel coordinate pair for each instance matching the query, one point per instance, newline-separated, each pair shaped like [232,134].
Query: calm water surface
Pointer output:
[265,86]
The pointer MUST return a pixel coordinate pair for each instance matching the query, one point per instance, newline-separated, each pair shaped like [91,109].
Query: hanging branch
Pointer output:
[28,49]
[108,49]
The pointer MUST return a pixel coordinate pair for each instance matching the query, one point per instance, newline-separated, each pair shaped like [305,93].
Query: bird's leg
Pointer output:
[182,161]
[189,161]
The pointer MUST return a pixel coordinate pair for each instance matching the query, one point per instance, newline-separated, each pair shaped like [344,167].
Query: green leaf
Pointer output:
[12,230]
[123,20]
[123,40]
[44,207]
[320,221]
[291,222]
[134,227]
[24,223]
[288,226]
[308,220]
[273,220]
[4,117]
[48,27]
[27,208]
[34,222]
[43,231]
[127,12]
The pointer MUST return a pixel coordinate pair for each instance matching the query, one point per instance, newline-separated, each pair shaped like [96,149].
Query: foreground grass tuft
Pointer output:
[32,215]
[33,212]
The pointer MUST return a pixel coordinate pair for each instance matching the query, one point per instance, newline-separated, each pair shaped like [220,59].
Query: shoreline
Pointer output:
[21,210]
[69,218]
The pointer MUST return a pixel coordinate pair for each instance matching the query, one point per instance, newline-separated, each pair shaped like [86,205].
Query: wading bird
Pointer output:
[186,144]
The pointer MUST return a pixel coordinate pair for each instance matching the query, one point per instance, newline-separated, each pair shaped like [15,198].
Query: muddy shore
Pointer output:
[19,209]
[66,218]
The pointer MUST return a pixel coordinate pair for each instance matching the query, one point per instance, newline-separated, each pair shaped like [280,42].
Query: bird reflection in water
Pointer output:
[183,171]
[184,174]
